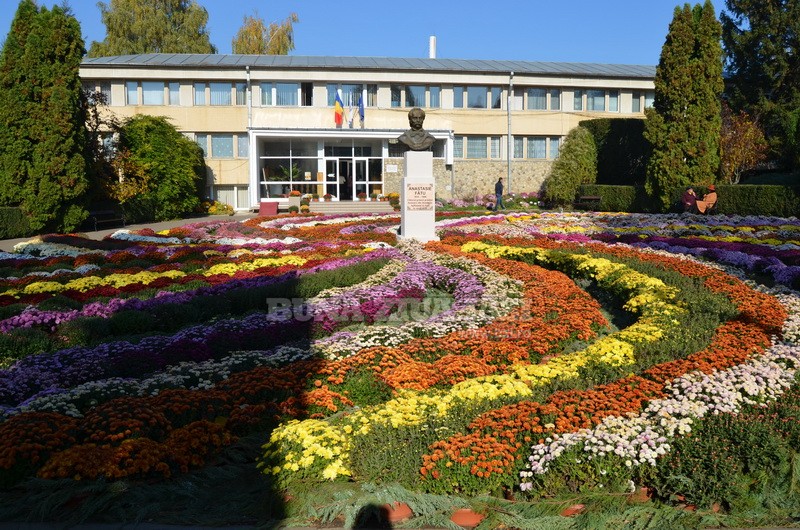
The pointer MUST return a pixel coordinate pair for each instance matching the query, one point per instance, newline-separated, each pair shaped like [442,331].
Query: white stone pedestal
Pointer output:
[418,197]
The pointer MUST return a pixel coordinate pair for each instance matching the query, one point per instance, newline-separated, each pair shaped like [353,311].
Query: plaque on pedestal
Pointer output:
[418,197]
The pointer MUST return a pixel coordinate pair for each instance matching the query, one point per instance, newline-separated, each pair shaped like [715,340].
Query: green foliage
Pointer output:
[621,149]
[43,138]
[763,71]
[20,343]
[173,164]
[254,37]
[14,223]
[575,165]
[683,126]
[619,198]
[726,459]
[780,201]
[153,26]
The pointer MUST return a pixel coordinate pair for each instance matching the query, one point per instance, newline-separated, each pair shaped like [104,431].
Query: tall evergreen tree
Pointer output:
[683,127]
[255,37]
[762,51]
[153,26]
[41,106]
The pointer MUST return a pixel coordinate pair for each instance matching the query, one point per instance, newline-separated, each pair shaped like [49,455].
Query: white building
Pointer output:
[267,123]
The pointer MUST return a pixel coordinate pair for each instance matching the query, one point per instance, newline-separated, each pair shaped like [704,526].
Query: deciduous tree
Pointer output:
[255,37]
[683,126]
[743,144]
[42,112]
[165,168]
[762,50]
[153,26]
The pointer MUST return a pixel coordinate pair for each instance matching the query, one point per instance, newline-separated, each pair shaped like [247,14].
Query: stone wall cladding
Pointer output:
[476,177]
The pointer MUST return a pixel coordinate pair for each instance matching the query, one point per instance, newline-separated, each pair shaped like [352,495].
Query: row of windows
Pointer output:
[289,94]
[489,147]
[222,145]
[541,147]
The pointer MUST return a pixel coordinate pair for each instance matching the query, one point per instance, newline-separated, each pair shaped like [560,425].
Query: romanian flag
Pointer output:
[338,108]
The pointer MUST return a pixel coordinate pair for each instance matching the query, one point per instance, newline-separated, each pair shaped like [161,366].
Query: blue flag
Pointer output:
[361,109]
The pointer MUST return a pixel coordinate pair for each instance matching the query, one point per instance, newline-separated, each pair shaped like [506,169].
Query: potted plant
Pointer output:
[304,208]
[362,196]
[315,197]
[373,196]
[294,209]
[294,198]
[327,196]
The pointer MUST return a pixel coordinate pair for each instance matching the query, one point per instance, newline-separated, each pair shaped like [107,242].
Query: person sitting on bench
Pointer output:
[708,201]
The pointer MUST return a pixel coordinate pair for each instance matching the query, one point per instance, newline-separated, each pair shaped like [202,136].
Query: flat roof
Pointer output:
[299,62]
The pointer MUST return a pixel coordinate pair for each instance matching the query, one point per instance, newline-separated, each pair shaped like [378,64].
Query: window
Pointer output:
[243,146]
[415,96]
[458,147]
[494,143]
[286,94]
[476,97]
[636,102]
[613,101]
[241,93]
[221,146]
[199,94]
[519,147]
[555,99]
[537,99]
[649,99]
[537,147]
[220,93]
[397,95]
[596,100]
[434,93]
[497,98]
[350,94]
[458,97]
[476,147]
[152,93]
[202,141]
[266,94]
[577,100]
[174,93]
[554,145]
[131,93]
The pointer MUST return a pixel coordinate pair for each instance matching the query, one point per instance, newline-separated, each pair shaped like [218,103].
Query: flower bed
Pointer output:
[529,354]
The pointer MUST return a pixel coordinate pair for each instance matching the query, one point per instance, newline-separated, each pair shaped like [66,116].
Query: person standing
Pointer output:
[498,194]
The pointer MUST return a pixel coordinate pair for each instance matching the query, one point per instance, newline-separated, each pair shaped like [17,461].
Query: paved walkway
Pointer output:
[7,245]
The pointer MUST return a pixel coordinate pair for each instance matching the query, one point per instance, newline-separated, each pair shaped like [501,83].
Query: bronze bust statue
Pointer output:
[416,138]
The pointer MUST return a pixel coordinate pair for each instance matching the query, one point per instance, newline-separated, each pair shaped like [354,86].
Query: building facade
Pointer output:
[268,124]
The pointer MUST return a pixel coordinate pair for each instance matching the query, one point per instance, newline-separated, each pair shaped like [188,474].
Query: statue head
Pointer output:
[415,118]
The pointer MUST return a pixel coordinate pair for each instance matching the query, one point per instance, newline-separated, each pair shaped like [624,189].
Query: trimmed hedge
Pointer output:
[740,199]
[14,223]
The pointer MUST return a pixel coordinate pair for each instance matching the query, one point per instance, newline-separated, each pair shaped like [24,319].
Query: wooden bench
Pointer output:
[102,217]
[588,202]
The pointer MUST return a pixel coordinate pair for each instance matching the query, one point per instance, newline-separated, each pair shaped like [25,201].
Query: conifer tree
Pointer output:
[42,166]
[683,127]
[762,52]
[153,26]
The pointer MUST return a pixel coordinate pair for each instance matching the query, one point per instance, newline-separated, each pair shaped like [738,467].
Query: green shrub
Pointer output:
[14,223]
[23,342]
[621,150]
[576,164]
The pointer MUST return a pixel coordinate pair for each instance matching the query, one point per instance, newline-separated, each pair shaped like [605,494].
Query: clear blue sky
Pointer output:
[614,31]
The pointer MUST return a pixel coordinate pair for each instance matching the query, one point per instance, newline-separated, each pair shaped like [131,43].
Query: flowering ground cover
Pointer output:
[222,371]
